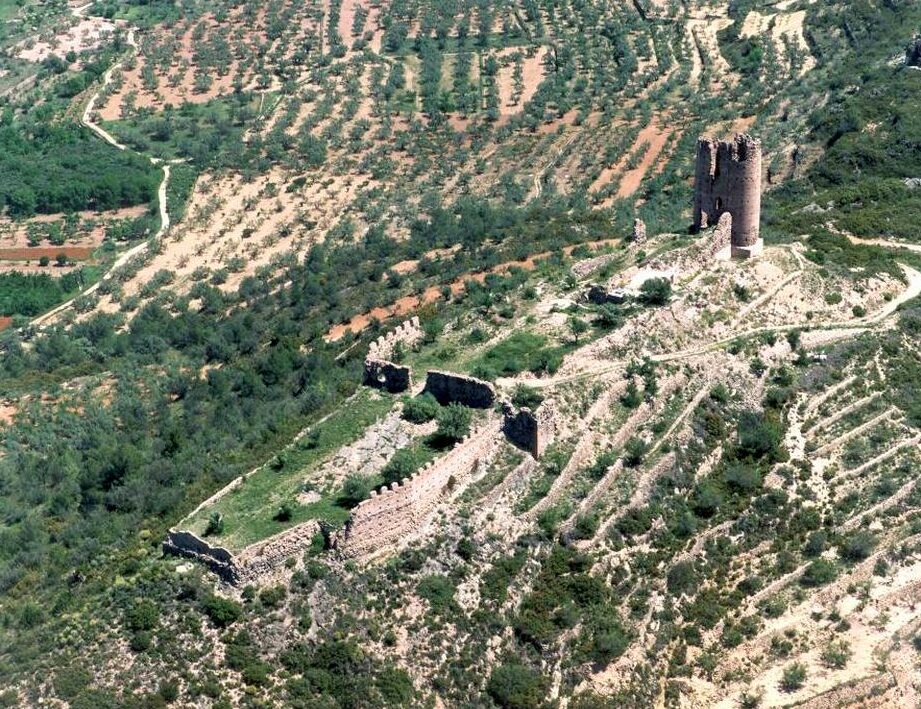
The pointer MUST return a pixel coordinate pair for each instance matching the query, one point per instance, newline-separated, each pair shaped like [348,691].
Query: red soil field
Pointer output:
[410,303]
[76,253]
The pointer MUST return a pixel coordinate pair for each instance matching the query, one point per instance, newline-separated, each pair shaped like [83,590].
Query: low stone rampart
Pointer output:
[254,562]
[383,374]
[184,543]
[531,430]
[407,333]
[380,371]
[392,514]
[266,556]
[448,388]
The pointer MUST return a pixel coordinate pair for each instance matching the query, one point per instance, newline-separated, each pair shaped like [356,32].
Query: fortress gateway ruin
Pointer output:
[727,181]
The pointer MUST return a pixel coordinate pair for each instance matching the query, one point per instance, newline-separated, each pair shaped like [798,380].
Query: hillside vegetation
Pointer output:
[728,514]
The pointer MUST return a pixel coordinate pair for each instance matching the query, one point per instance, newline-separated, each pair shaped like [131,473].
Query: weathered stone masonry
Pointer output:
[380,371]
[450,388]
[728,180]
[531,430]
[394,513]
[251,563]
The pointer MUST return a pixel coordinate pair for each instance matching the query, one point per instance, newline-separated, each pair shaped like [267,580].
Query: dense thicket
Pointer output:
[66,169]
[34,293]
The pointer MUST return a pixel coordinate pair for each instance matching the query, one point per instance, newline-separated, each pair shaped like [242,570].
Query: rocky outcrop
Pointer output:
[913,52]
[394,513]
[449,388]
[380,371]
[531,430]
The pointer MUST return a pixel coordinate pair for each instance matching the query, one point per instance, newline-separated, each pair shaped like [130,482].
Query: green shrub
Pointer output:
[438,591]
[453,422]
[525,396]
[221,611]
[656,291]
[420,409]
[794,677]
[682,578]
[143,615]
[818,573]
[836,654]
[215,524]
[858,546]
[742,477]
[515,686]
[355,489]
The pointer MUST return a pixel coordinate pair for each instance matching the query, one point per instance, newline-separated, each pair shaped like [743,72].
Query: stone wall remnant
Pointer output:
[184,543]
[602,295]
[383,374]
[448,388]
[639,231]
[727,179]
[392,514]
[531,430]
[913,52]
[253,562]
[380,371]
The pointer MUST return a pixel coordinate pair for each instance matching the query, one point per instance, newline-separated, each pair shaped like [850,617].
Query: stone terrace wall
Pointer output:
[531,430]
[447,388]
[379,370]
[394,513]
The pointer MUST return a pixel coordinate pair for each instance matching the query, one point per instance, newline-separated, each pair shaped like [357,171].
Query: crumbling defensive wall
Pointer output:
[531,430]
[382,374]
[449,388]
[913,52]
[253,562]
[184,543]
[392,514]
[380,371]
[727,178]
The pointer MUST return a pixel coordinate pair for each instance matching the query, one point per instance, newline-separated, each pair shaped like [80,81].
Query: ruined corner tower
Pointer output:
[727,179]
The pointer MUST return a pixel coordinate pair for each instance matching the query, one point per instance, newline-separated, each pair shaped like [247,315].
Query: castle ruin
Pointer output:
[396,513]
[449,388]
[531,430]
[380,371]
[727,180]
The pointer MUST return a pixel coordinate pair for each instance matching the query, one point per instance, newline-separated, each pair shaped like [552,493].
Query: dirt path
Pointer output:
[87,120]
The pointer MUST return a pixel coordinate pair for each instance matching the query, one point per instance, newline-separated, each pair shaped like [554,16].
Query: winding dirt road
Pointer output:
[102,134]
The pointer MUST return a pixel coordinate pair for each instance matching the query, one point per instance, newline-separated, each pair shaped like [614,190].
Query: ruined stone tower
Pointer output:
[728,179]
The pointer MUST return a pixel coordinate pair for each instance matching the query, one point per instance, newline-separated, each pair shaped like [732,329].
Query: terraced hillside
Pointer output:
[698,489]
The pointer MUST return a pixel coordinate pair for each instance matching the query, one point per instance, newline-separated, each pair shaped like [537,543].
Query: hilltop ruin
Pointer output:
[727,180]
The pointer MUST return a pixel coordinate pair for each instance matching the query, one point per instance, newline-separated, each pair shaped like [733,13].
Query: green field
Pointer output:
[249,510]
[8,9]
